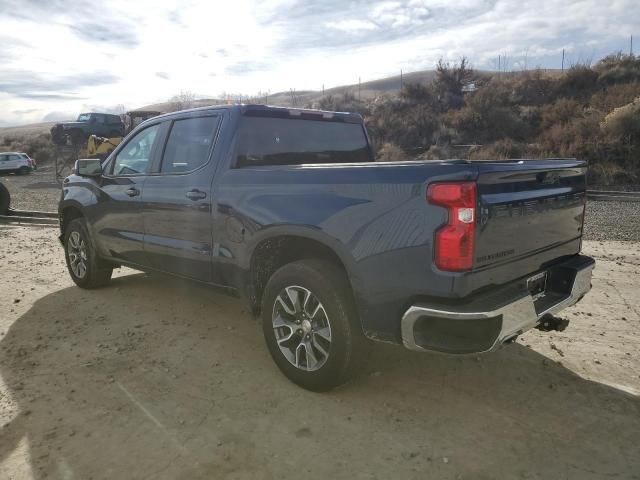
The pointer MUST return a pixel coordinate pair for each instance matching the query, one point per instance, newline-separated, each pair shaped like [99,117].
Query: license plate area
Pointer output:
[537,285]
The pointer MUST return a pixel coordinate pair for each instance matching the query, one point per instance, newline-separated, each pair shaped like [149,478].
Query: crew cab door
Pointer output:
[118,224]
[176,200]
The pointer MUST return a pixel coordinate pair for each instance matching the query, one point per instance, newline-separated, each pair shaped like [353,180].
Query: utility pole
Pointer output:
[401,86]
[563,59]
[499,64]
[358,88]
[631,46]
[323,89]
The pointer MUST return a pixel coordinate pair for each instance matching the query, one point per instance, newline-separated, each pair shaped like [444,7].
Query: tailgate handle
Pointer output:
[196,195]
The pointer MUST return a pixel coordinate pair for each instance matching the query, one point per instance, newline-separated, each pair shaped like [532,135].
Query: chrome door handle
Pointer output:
[132,192]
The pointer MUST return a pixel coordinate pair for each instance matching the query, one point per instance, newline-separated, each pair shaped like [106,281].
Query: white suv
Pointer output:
[15,162]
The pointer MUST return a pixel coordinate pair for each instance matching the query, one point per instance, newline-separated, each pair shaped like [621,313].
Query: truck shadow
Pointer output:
[157,378]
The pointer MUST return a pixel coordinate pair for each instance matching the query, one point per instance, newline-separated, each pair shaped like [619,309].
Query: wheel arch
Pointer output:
[281,247]
[67,214]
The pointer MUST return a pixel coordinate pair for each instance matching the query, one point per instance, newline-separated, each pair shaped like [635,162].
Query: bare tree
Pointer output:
[185,99]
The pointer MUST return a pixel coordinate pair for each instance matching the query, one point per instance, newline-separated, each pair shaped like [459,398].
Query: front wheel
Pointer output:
[23,170]
[311,326]
[87,270]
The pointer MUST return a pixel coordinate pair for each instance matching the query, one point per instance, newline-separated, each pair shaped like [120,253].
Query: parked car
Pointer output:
[15,162]
[99,124]
[32,161]
[287,209]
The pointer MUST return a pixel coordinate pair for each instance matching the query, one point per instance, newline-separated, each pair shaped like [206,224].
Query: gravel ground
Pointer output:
[155,378]
[612,221]
[37,191]
[604,221]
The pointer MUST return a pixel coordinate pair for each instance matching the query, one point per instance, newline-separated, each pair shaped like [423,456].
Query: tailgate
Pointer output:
[527,207]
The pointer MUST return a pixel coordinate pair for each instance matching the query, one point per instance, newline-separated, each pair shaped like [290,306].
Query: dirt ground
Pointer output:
[155,378]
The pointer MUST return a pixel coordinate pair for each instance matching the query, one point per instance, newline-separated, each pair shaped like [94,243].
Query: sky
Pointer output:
[61,57]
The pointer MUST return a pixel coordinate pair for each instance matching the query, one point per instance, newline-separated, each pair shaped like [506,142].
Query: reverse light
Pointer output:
[454,242]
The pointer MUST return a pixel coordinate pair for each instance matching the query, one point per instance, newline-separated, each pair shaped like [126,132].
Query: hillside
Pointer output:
[588,112]
[367,90]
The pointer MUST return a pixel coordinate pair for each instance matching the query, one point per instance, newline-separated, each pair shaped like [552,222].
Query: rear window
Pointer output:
[286,141]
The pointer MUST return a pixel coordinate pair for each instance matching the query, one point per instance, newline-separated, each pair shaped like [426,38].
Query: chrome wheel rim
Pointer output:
[302,328]
[77,251]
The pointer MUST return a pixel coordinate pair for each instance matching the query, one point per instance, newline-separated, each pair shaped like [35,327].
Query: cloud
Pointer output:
[118,33]
[27,84]
[244,67]
[57,116]
[137,53]
[352,25]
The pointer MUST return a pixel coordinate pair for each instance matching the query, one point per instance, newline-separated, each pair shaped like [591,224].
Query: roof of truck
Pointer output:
[270,110]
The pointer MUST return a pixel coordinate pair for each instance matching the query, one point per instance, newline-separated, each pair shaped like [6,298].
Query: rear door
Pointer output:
[177,199]
[118,226]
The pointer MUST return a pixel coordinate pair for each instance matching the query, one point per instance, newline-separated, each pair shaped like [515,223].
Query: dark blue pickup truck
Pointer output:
[286,208]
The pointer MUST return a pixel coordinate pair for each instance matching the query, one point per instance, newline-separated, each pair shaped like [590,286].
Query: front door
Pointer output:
[118,224]
[177,199]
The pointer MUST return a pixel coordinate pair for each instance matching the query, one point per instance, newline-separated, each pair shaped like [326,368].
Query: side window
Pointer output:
[189,144]
[135,157]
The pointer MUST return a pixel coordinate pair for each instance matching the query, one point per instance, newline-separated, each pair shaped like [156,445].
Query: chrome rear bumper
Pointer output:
[503,323]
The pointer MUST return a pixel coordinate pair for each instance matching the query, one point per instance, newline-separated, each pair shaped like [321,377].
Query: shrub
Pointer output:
[390,152]
[500,150]
[624,122]
[578,82]
[618,68]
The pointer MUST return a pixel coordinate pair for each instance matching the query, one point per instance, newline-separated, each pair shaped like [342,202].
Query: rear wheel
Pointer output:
[310,325]
[87,270]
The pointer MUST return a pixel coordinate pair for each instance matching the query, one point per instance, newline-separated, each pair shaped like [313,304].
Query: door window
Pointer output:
[189,144]
[135,157]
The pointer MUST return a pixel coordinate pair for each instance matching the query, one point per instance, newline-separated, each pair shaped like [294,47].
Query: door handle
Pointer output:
[132,192]
[196,195]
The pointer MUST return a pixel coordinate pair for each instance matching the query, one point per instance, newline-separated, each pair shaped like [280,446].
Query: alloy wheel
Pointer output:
[77,251]
[302,328]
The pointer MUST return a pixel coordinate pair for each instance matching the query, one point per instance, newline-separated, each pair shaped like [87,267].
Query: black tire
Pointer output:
[348,349]
[5,199]
[23,171]
[97,272]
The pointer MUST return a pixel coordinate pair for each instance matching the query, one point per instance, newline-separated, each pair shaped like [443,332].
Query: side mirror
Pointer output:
[88,167]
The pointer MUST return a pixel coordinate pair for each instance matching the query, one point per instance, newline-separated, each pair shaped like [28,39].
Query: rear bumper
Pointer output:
[487,322]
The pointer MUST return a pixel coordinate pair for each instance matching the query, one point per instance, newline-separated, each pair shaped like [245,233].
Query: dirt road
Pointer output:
[156,378]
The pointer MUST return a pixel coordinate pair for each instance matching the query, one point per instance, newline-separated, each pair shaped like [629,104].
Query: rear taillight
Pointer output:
[454,242]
